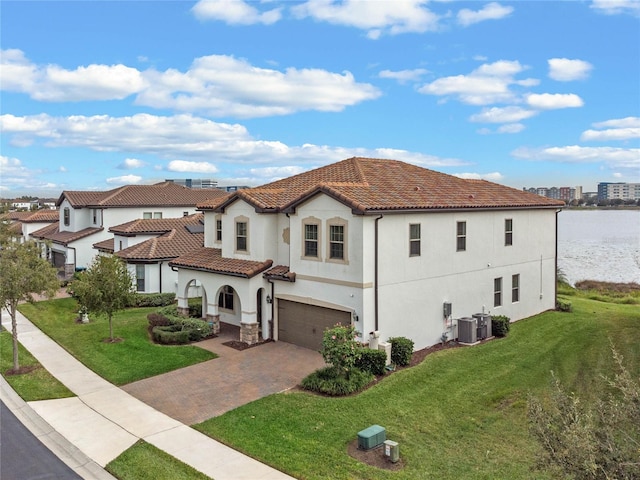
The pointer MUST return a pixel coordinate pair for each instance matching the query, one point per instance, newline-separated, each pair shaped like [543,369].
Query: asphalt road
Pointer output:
[24,457]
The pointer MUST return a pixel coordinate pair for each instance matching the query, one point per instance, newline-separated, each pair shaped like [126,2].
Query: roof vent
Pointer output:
[417,189]
[471,196]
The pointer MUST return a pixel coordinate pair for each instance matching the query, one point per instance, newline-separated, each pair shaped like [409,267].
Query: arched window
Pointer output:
[225,298]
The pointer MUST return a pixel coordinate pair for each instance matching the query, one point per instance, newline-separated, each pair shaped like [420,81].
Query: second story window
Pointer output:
[94,215]
[218,230]
[336,242]
[66,216]
[414,239]
[461,236]
[157,214]
[241,236]
[311,240]
[146,215]
[508,231]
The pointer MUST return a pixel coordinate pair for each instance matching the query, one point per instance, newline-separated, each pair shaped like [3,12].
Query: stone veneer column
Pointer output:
[215,319]
[249,333]
[184,311]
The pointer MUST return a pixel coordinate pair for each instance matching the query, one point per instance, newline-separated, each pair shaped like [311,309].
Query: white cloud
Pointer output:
[234,12]
[550,101]
[217,85]
[621,129]
[52,83]
[189,138]
[510,114]
[124,180]
[614,7]
[12,167]
[487,84]
[403,76]
[614,157]
[492,177]
[377,18]
[221,85]
[191,167]
[62,169]
[511,128]
[130,164]
[566,70]
[491,11]
[15,176]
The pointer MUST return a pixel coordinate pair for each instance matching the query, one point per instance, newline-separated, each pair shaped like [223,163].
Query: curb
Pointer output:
[59,445]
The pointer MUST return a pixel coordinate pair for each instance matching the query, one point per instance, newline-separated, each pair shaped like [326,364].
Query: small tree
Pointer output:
[340,348]
[23,273]
[591,441]
[106,287]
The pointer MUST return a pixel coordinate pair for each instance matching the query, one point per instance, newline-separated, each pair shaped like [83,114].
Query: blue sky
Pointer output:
[95,95]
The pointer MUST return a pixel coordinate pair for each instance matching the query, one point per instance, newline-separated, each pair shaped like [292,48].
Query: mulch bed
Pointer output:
[374,456]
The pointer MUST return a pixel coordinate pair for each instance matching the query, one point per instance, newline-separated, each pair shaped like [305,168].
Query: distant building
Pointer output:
[623,191]
[558,193]
[195,182]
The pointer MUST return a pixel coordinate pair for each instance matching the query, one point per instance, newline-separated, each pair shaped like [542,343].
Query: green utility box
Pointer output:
[371,437]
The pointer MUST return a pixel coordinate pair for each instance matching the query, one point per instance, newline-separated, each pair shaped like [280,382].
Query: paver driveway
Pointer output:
[196,393]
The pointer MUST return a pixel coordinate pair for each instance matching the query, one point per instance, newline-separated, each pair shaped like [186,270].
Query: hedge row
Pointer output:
[169,327]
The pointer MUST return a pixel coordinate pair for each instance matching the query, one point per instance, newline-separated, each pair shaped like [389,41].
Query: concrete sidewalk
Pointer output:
[103,421]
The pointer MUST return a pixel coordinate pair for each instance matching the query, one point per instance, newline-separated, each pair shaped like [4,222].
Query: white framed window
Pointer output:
[66,216]
[508,231]
[218,229]
[337,241]
[147,215]
[497,292]
[311,234]
[157,214]
[461,236]
[140,275]
[242,234]
[515,288]
[414,239]
[94,215]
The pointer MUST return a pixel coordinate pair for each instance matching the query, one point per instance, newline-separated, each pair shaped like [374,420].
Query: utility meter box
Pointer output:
[371,437]
[386,348]
[391,450]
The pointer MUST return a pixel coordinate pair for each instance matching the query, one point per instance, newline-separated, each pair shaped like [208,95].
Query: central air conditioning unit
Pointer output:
[483,325]
[467,330]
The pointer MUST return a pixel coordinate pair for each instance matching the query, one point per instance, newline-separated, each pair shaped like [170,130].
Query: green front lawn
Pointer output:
[143,461]
[38,383]
[460,414]
[134,358]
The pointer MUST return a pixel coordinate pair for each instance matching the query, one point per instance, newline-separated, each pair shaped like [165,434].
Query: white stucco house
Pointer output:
[23,224]
[86,216]
[379,244]
[147,246]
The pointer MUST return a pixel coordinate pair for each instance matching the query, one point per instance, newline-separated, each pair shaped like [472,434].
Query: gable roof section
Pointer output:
[370,186]
[164,194]
[174,238]
[37,216]
[211,260]
[52,233]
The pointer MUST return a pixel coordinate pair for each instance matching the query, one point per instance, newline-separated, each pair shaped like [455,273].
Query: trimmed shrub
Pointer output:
[372,361]
[340,348]
[166,317]
[331,381]
[195,307]
[401,351]
[500,325]
[153,299]
[157,320]
[564,306]
[171,334]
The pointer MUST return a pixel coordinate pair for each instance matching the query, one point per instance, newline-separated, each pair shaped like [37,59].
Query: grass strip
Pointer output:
[38,383]
[145,462]
[133,358]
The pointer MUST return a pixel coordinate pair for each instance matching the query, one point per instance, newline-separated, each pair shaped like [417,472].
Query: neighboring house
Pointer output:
[23,224]
[148,245]
[379,244]
[85,217]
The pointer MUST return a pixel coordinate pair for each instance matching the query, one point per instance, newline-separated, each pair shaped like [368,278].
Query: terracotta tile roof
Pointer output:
[280,272]
[38,216]
[177,236]
[52,233]
[165,194]
[369,185]
[104,246]
[211,260]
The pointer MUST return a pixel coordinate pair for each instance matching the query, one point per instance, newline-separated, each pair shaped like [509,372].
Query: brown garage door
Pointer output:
[303,324]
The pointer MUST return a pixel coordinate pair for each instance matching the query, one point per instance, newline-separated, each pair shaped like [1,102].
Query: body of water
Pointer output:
[599,245]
